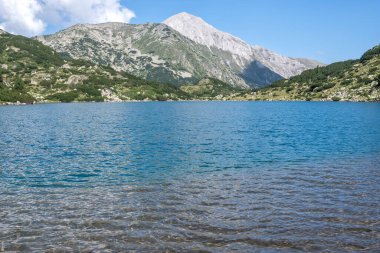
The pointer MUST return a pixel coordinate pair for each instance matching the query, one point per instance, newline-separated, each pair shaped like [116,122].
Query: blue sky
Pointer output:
[325,30]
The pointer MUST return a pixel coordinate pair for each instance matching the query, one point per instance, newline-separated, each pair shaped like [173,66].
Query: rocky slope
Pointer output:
[203,33]
[151,51]
[353,80]
[159,52]
[32,72]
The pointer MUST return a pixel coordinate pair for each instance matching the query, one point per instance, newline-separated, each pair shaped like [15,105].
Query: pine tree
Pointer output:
[1,80]
[19,84]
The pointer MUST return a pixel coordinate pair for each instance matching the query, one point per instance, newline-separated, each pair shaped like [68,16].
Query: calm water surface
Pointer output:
[190,176]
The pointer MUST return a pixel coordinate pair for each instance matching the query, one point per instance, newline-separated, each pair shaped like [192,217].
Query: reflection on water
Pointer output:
[216,177]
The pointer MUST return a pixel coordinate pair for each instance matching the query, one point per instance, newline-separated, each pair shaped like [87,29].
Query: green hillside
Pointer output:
[353,80]
[212,89]
[31,72]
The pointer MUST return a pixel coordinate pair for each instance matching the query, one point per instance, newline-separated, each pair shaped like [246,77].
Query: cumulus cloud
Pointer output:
[21,16]
[86,11]
[31,17]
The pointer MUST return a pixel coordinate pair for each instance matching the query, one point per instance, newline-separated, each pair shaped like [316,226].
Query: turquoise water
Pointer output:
[181,176]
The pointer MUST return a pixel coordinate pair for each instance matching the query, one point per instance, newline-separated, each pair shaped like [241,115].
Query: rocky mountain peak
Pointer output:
[184,19]
[200,31]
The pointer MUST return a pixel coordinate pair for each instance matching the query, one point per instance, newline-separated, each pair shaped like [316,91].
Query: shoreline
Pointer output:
[189,100]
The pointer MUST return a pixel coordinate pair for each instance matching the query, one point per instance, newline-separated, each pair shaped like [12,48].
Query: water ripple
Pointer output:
[190,177]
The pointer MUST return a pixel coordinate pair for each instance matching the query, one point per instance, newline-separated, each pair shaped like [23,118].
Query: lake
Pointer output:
[190,176]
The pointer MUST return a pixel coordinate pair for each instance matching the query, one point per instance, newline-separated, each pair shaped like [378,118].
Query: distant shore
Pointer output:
[189,100]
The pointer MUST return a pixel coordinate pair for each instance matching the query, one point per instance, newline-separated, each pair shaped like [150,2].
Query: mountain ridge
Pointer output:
[145,50]
[200,31]
[32,72]
[156,51]
[351,80]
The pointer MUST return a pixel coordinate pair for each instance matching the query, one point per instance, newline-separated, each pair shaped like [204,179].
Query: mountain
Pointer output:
[32,72]
[203,33]
[352,80]
[159,52]
[151,51]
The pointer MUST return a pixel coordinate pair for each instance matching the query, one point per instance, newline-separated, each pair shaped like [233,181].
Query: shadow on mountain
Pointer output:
[258,75]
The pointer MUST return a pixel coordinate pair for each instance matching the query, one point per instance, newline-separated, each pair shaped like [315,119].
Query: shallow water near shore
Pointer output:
[190,176]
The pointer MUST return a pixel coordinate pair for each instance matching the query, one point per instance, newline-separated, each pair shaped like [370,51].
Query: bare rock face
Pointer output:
[110,96]
[203,33]
[76,79]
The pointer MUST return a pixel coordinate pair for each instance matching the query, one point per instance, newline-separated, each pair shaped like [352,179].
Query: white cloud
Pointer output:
[86,11]
[31,17]
[21,16]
